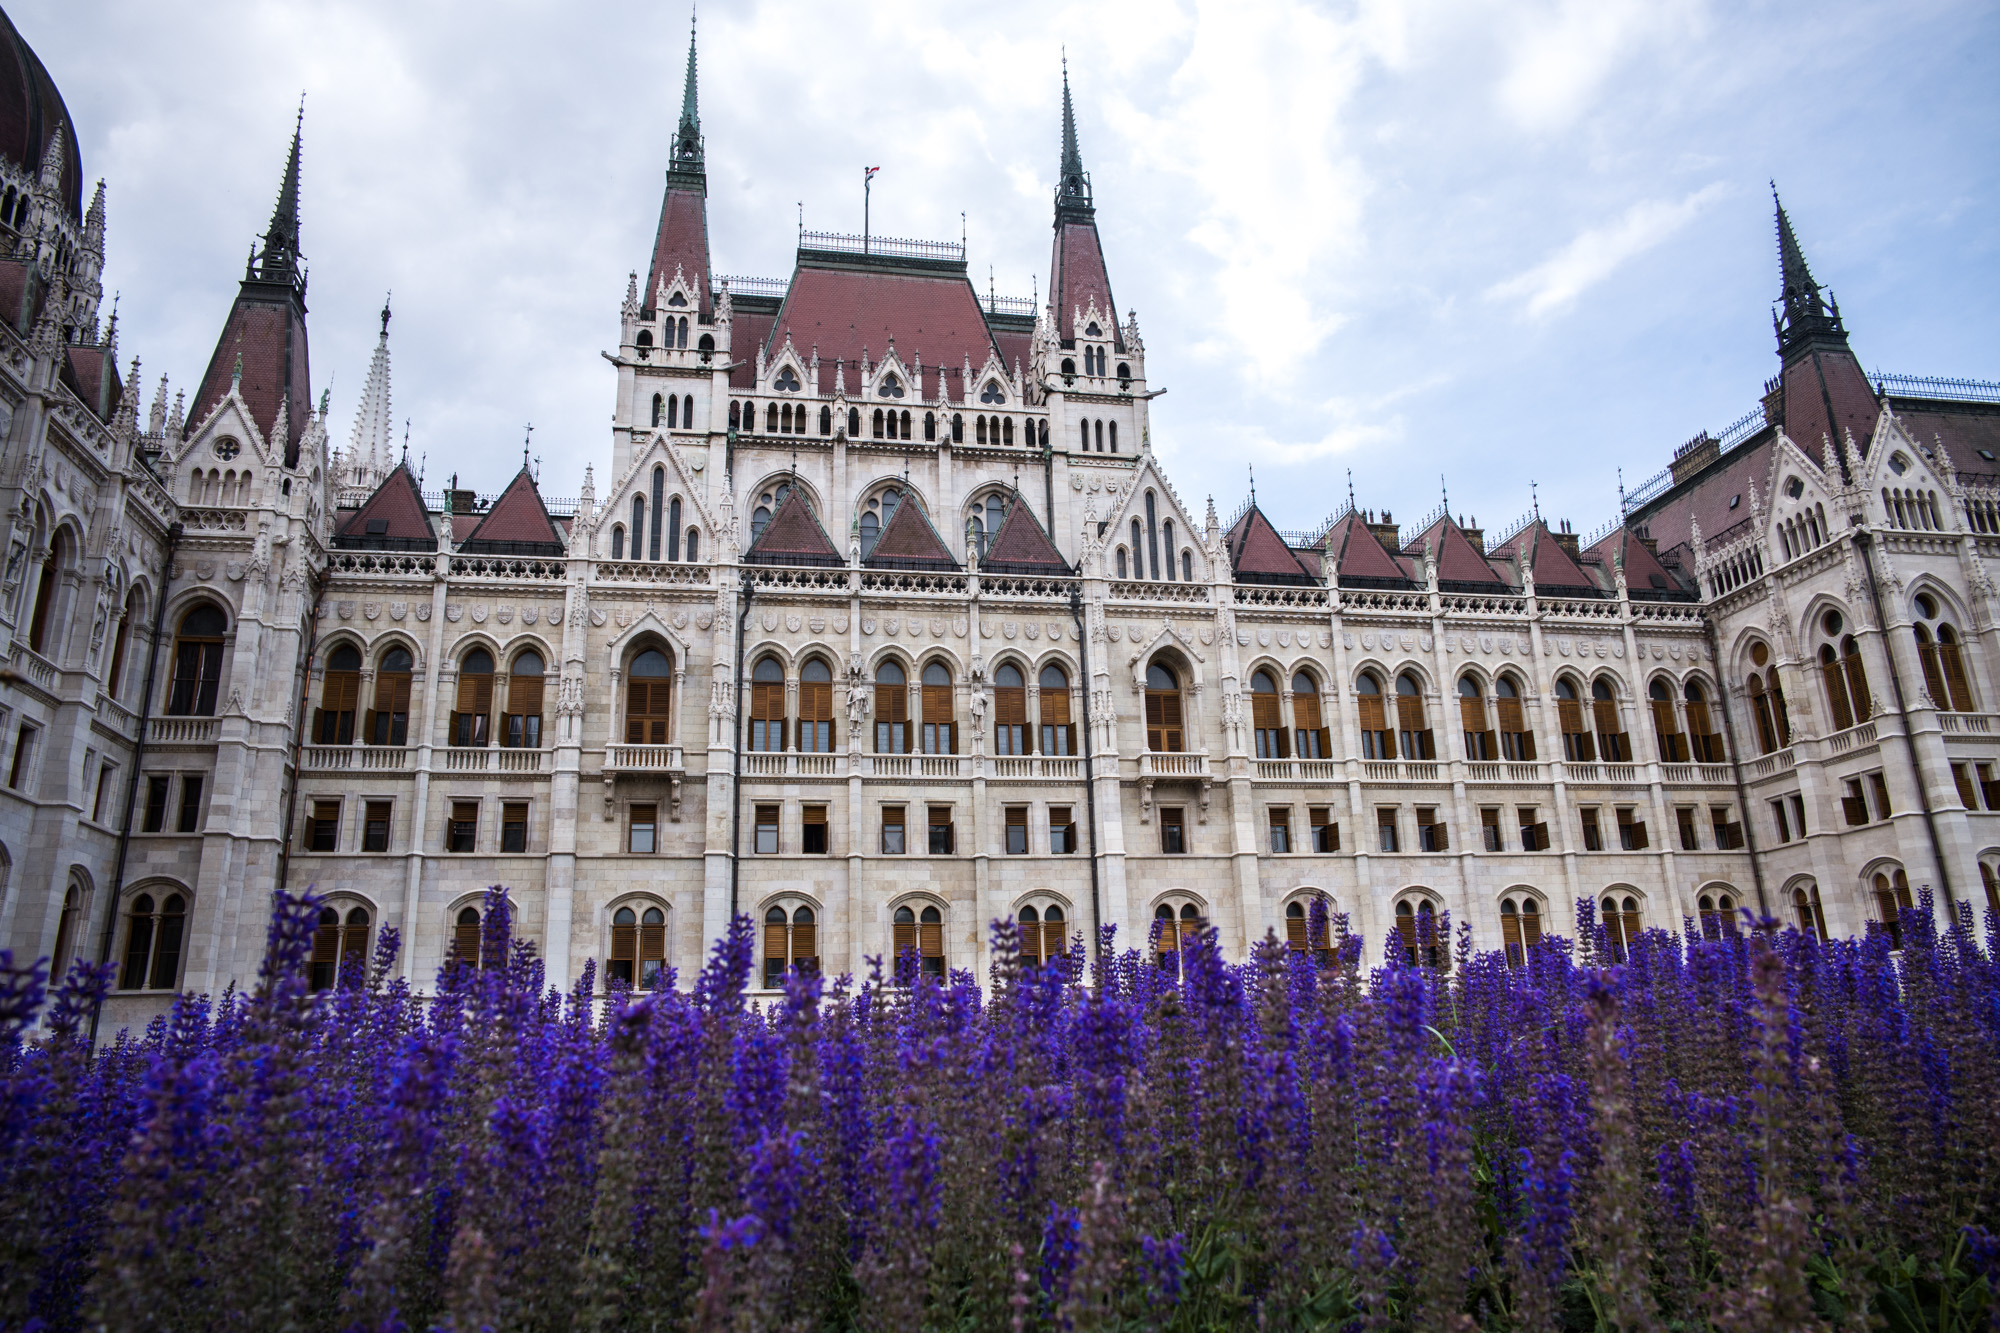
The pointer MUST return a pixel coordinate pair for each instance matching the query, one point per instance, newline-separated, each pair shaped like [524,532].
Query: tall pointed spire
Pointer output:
[681,243]
[1073,187]
[279,260]
[687,138]
[1804,317]
[373,447]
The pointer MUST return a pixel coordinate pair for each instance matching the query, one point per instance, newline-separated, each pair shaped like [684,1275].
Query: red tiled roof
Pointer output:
[85,374]
[1545,558]
[1358,554]
[748,330]
[397,501]
[517,516]
[15,292]
[1077,276]
[1847,389]
[463,526]
[1458,559]
[1707,499]
[1022,546]
[794,534]
[1256,548]
[680,245]
[846,310]
[1965,429]
[31,109]
[1642,568]
[909,539]
[267,329]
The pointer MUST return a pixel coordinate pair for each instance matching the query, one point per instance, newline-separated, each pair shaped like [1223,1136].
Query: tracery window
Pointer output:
[1164,726]
[1377,740]
[1621,923]
[1479,744]
[473,713]
[648,702]
[791,943]
[197,662]
[767,705]
[1943,658]
[892,709]
[1010,711]
[1266,717]
[153,930]
[1520,927]
[522,725]
[940,730]
[1175,923]
[389,720]
[918,940]
[638,946]
[340,941]
[816,707]
[340,695]
[1309,738]
[1058,734]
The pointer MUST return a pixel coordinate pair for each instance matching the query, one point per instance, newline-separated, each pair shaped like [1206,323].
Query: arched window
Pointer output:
[1377,741]
[340,943]
[826,421]
[1058,735]
[1299,935]
[1718,915]
[1621,923]
[1084,427]
[878,424]
[340,695]
[45,592]
[1517,743]
[638,947]
[1578,748]
[1187,565]
[816,707]
[1942,657]
[771,419]
[1114,437]
[735,415]
[653,537]
[617,541]
[1152,536]
[687,411]
[1139,551]
[791,943]
[870,529]
[648,699]
[1805,904]
[1267,719]
[115,676]
[197,662]
[66,926]
[1702,735]
[1413,729]
[674,528]
[918,943]
[153,943]
[1479,744]
[1892,899]
[659,408]
[1122,572]
[1100,437]
[940,731]
[1666,726]
[693,544]
[1612,743]
[1520,928]
[644,342]
[466,941]
[1309,738]
[1835,680]
[996,514]
[523,725]
[892,709]
[638,526]
[473,713]
[1042,935]
[1010,711]
[1163,710]
[930,425]
[979,430]
[787,382]
[1173,926]
[767,705]
[1421,936]
[389,719]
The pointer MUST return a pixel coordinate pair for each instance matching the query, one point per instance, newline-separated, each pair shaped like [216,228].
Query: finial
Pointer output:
[385,313]
[1253,482]
[406,442]
[1350,489]
[1446,494]
[525,440]
[1534,498]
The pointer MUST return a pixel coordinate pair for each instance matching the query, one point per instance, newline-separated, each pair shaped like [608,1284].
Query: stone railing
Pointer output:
[1854,738]
[1964,724]
[1297,770]
[552,569]
[1149,591]
[394,564]
[1602,773]
[1164,764]
[1697,775]
[358,759]
[181,731]
[1778,761]
[492,759]
[1506,770]
[639,571]
[1401,770]
[642,759]
[908,582]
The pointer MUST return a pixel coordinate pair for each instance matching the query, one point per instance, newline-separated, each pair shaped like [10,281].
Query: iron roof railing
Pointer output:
[750,286]
[1008,305]
[900,247]
[1929,386]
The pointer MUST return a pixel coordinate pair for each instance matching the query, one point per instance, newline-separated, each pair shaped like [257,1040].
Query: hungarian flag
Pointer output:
[869,174]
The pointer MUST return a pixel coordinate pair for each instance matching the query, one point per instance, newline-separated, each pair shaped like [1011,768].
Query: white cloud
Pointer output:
[1596,253]
[1564,53]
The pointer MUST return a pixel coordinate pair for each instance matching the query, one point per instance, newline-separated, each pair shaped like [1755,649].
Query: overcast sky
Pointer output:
[1503,242]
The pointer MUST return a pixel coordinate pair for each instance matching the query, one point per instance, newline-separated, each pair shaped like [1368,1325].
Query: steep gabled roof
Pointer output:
[847,307]
[92,376]
[910,542]
[1643,571]
[1023,547]
[1458,559]
[1546,560]
[793,537]
[1358,555]
[397,506]
[1257,554]
[517,519]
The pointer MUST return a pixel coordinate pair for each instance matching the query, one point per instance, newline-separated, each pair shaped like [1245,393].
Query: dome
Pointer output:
[31,109]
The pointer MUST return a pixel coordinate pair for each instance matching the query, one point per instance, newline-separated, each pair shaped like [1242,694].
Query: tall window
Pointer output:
[1010,711]
[1718,915]
[940,732]
[647,699]
[333,720]
[472,717]
[1892,899]
[1309,738]
[639,524]
[674,528]
[523,727]
[338,944]
[1377,741]
[816,707]
[72,913]
[653,537]
[1058,734]
[767,705]
[892,709]
[638,947]
[1621,923]
[1423,943]
[122,640]
[45,592]
[1520,928]
[617,541]
[1163,710]
[197,663]
[1612,743]
[1942,657]
[919,942]
[389,719]
[1806,905]
[1517,743]
[1266,717]
[153,943]
[1172,929]
[1472,720]
[791,943]
[1152,537]
[1042,935]
[1578,748]
[1702,734]
[1666,726]
[1413,729]
[465,940]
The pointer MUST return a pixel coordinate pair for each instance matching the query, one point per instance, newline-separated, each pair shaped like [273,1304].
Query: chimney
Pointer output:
[1695,455]
[1477,536]
[1774,400]
[461,502]
[1567,540]
[1648,540]
[1385,532]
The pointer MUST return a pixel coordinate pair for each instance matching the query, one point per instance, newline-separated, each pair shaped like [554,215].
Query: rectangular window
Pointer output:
[1326,833]
[1853,805]
[1593,837]
[156,803]
[1578,748]
[940,830]
[940,730]
[1489,829]
[524,713]
[1781,819]
[892,719]
[1173,832]
[645,826]
[1631,830]
[1058,735]
[1385,828]
[190,802]
[24,757]
[1880,788]
[1062,830]
[1684,817]
[323,827]
[1799,815]
[892,830]
[375,827]
[514,826]
[1281,830]
[104,775]
[1017,830]
[1431,835]
[812,833]
[461,831]
[766,843]
[1534,832]
[1988,789]
[1961,777]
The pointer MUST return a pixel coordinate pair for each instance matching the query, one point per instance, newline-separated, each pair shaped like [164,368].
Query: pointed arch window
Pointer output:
[340,943]
[617,541]
[767,705]
[1377,740]
[919,943]
[1422,939]
[1058,733]
[1010,711]
[1578,747]
[693,544]
[153,933]
[770,418]
[1835,680]
[1309,738]
[638,947]
[892,709]
[1613,745]
[1412,726]
[653,537]
[1703,738]
[197,662]
[638,524]
[1718,915]
[791,944]
[687,412]
[1806,906]
[659,408]
[1517,743]
[1520,928]
[340,695]
[1266,717]
[816,707]
[674,528]
[826,421]
[523,723]
[473,714]
[45,592]
[1666,724]
[1767,703]
[1172,932]
[648,699]
[389,720]
[1892,899]
[1621,924]
[1164,725]
[1122,571]
[1479,746]
[122,640]
[1041,935]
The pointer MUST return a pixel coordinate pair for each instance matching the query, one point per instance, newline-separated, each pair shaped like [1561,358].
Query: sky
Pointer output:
[1502,251]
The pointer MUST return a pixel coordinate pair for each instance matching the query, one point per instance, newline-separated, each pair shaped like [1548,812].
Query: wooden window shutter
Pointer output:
[653,940]
[635,712]
[624,946]
[525,696]
[1510,937]
[343,691]
[465,943]
[1305,709]
[1188,929]
[1663,718]
[805,941]
[1954,678]
[1509,711]
[1472,716]
[905,940]
[1406,927]
[931,937]
[326,945]
[1410,712]
[776,940]
[392,693]
[1836,695]
[1372,713]
[1264,712]
[1571,713]
[1857,688]
[1928,654]
[1055,708]
[1606,716]
[892,703]
[1295,933]
[816,700]
[1010,707]
[475,694]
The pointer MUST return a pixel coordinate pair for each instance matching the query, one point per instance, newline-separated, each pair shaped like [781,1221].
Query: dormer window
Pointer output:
[991,393]
[677,300]
[1092,331]
[890,387]
[787,382]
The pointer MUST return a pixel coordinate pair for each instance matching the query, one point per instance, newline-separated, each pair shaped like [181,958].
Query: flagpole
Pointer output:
[867,182]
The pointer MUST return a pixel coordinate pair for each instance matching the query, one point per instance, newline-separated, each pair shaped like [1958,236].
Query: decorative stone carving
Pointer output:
[530,614]
[1055,628]
[1424,641]
[867,625]
[234,571]
[596,617]
[794,623]
[1206,634]
[479,614]
[423,611]
[817,624]
[345,610]
[1367,641]
[703,619]
[453,613]
[505,615]
[1263,638]
[959,628]
[770,621]
[1008,630]
[1284,638]
[890,624]
[1113,633]
[937,629]
[371,610]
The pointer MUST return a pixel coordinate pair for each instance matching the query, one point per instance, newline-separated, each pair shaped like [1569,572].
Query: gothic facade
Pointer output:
[884,621]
